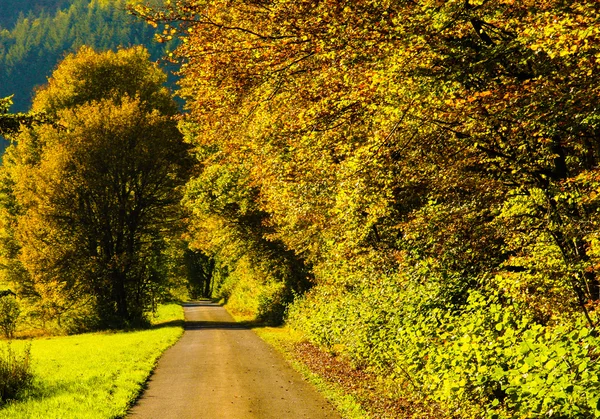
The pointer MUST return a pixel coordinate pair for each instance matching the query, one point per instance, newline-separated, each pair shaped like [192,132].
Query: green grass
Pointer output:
[95,375]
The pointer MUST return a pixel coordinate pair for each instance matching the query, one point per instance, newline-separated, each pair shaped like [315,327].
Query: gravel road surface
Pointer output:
[222,370]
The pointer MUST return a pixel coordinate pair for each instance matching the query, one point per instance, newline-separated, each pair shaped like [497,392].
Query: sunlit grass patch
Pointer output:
[167,314]
[95,375]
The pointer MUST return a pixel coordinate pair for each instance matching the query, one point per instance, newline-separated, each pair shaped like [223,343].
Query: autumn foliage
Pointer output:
[431,167]
[412,184]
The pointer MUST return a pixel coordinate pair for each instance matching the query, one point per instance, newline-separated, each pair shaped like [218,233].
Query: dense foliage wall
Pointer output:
[431,167]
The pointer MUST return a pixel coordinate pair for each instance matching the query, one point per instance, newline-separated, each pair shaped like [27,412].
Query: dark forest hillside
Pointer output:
[32,48]
[11,9]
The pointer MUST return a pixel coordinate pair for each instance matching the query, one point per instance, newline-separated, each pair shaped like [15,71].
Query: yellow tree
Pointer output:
[98,189]
[376,128]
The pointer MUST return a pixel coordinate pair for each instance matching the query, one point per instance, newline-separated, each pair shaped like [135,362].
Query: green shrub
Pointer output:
[272,303]
[485,358]
[9,314]
[15,372]
[497,361]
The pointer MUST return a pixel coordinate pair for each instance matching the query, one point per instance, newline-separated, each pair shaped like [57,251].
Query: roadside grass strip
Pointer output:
[95,375]
[283,339]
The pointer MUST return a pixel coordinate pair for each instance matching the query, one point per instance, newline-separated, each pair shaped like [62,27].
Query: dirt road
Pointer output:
[221,370]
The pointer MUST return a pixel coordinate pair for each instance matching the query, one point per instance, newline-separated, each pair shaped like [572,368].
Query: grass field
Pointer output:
[95,375]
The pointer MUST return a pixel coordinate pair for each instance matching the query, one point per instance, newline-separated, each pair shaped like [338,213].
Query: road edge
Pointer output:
[281,341]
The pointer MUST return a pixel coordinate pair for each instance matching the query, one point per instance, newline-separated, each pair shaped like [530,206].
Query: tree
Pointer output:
[378,128]
[98,189]
[9,314]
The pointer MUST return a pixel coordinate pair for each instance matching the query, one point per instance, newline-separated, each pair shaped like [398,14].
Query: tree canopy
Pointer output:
[363,126]
[432,165]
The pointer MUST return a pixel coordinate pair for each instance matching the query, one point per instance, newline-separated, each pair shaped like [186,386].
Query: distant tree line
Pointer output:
[34,45]
[12,10]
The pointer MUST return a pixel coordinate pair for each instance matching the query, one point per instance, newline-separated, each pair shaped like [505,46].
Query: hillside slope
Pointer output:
[12,9]
[33,47]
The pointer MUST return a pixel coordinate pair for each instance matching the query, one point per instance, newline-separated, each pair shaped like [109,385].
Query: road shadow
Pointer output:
[195,325]
[242,325]
[201,303]
[170,323]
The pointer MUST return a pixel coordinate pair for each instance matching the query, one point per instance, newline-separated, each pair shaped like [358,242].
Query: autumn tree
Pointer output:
[97,190]
[379,129]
